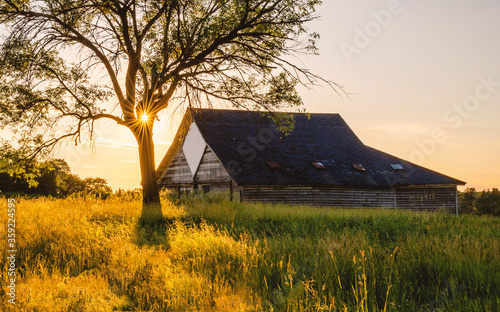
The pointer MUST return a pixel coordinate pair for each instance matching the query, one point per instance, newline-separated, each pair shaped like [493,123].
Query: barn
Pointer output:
[321,162]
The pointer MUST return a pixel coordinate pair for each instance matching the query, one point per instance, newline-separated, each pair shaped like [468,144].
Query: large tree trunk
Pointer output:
[151,208]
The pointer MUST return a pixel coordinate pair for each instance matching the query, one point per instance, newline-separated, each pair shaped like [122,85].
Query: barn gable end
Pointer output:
[194,148]
[178,173]
[201,170]
[211,170]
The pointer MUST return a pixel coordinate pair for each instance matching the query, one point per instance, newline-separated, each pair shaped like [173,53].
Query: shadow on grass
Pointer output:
[152,227]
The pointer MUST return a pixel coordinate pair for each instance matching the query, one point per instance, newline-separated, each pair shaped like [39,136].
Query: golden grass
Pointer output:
[214,255]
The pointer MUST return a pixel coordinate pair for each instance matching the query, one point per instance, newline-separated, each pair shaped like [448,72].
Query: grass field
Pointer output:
[214,255]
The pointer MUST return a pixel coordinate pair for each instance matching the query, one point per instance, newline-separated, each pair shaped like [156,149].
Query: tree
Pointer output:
[169,52]
[467,200]
[488,202]
[18,172]
[52,177]
[98,187]
[72,184]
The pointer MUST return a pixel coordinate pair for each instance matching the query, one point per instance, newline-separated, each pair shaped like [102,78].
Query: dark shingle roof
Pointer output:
[246,141]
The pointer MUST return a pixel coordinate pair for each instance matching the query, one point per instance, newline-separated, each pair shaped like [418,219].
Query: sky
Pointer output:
[423,78]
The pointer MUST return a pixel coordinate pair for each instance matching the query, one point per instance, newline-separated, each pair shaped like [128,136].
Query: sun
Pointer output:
[144,117]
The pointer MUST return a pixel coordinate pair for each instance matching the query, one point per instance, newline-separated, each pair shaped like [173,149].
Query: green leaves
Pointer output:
[16,163]
[282,93]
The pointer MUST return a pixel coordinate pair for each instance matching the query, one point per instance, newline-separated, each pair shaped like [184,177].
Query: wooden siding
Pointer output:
[427,198]
[411,198]
[211,170]
[330,197]
[178,172]
[177,143]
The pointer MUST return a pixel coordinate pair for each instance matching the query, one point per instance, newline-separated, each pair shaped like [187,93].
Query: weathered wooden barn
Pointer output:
[321,162]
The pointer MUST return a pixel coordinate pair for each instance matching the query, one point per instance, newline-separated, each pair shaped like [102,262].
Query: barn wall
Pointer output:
[211,170]
[427,198]
[410,198]
[332,197]
[178,172]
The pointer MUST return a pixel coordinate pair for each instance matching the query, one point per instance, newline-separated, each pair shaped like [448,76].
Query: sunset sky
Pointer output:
[424,84]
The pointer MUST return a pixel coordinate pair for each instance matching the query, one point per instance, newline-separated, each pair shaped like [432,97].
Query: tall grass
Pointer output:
[214,255]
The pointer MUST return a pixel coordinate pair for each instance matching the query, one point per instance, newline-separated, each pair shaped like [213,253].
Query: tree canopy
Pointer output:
[51,178]
[484,202]
[66,64]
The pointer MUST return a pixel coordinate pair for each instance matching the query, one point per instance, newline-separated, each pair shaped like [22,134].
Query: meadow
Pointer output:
[209,254]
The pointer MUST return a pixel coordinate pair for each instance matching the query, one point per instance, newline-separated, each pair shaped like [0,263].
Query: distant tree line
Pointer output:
[471,201]
[51,178]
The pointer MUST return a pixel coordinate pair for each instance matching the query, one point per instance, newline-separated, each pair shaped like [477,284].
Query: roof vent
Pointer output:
[318,165]
[397,167]
[359,167]
[274,164]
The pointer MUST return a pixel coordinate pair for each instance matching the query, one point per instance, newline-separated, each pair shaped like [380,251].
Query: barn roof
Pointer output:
[320,151]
